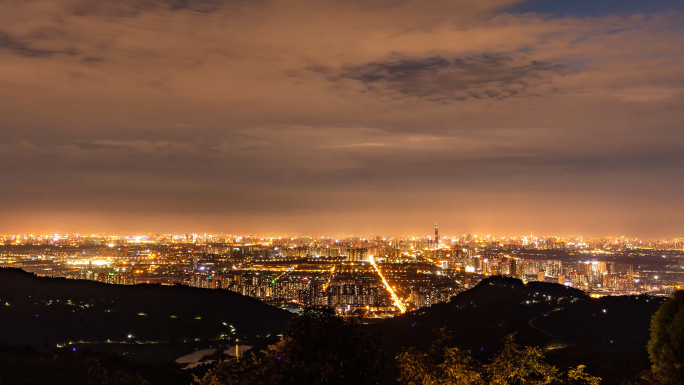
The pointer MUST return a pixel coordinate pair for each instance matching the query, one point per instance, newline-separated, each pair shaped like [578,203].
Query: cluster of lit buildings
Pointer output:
[373,276]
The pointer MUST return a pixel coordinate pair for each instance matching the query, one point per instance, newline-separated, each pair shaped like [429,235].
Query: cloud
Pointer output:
[368,144]
[594,8]
[649,94]
[20,47]
[144,146]
[483,76]
[131,8]
[301,107]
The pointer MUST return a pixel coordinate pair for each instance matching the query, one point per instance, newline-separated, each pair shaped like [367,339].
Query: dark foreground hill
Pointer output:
[608,335]
[571,326]
[54,366]
[50,311]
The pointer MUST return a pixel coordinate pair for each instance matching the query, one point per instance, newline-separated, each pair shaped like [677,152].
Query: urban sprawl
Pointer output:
[373,277]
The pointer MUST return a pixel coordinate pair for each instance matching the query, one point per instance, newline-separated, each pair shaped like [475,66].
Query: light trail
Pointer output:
[278,277]
[397,302]
[327,284]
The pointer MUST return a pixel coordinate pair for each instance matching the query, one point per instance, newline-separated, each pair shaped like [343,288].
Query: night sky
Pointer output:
[352,116]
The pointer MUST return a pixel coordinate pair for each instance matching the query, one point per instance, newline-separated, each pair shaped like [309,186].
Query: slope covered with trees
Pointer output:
[58,311]
[608,335]
[321,347]
[501,332]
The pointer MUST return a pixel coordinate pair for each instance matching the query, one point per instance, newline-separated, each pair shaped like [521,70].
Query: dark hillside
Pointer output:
[564,320]
[609,334]
[52,366]
[55,311]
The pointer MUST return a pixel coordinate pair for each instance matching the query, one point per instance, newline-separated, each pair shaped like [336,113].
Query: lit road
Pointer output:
[531,322]
[397,302]
[280,276]
[332,271]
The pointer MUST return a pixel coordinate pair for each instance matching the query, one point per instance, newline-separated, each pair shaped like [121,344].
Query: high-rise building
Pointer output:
[357,254]
[436,235]
[624,269]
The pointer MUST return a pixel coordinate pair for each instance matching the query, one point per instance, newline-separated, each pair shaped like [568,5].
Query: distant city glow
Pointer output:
[374,277]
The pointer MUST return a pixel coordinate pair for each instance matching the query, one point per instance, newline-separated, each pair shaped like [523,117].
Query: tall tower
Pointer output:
[436,235]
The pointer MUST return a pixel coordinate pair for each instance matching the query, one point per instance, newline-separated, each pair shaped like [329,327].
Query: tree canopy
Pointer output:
[666,347]
[441,365]
[319,347]
[514,364]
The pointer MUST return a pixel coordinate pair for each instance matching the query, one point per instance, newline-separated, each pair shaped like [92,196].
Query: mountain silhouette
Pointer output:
[37,310]
[572,327]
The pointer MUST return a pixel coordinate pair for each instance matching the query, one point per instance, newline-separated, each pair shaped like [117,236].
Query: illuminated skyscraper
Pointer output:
[436,235]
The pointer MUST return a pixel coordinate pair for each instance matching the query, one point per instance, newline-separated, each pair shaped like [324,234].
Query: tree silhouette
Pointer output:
[514,364]
[441,365]
[319,347]
[246,371]
[666,347]
[97,375]
[132,380]
[519,365]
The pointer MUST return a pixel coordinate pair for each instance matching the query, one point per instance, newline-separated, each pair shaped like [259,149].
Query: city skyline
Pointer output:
[499,116]
[203,235]
[379,277]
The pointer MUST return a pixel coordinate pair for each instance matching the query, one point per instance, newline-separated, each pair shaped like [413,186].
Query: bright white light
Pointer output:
[85,262]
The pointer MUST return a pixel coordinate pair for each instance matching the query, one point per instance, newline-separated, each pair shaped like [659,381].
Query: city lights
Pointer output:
[368,276]
[396,299]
